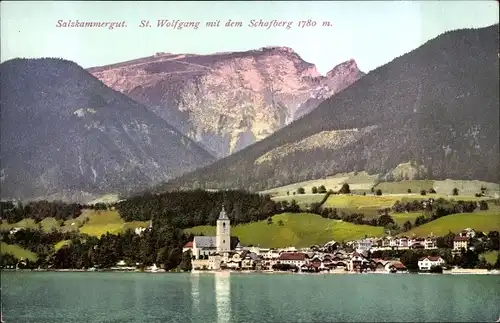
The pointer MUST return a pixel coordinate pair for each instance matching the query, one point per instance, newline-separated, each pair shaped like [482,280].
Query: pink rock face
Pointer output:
[227,101]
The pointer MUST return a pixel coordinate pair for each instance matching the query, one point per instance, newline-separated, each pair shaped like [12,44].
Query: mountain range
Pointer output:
[252,120]
[435,108]
[66,135]
[228,101]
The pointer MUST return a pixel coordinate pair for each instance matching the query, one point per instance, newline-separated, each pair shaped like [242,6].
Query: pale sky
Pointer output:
[372,33]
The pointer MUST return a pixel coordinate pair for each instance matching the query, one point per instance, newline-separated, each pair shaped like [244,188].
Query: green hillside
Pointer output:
[94,223]
[480,220]
[17,251]
[298,229]
[303,200]
[402,187]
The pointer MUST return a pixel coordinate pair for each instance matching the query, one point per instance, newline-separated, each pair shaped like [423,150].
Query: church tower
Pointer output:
[223,238]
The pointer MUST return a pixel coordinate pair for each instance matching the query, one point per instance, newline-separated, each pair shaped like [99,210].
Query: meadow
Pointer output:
[484,221]
[303,200]
[490,256]
[298,229]
[17,251]
[401,218]
[362,182]
[402,187]
[93,223]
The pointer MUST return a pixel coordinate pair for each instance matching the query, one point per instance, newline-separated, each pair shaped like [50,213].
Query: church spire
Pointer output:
[222,214]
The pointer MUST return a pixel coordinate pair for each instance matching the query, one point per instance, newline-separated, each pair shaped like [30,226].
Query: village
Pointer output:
[225,252]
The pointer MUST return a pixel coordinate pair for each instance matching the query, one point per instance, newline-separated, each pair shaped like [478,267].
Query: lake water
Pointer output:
[139,297]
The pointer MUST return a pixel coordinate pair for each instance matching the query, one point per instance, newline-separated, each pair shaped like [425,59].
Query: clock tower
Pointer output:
[223,236]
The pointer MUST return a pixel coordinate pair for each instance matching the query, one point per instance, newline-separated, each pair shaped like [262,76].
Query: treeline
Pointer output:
[39,210]
[161,246]
[383,220]
[435,209]
[440,206]
[184,209]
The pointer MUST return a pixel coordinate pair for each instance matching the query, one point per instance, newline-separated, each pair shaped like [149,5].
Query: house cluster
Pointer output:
[393,243]
[304,260]
[224,251]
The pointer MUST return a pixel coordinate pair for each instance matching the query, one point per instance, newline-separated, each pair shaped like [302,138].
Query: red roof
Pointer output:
[431,258]
[398,265]
[189,244]
[459,238]
[434,258]
[293,256]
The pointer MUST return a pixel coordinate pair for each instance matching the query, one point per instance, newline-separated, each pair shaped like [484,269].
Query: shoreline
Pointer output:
[264,272]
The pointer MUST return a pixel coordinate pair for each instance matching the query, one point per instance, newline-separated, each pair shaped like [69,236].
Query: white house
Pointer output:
[357,262]
[363,245]
[293,258]
[460,242]
[426,263]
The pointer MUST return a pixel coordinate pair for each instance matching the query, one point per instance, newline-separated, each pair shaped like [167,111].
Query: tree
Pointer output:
[455,191]
[446,241]
[384,220]
[280,223]
[345,189]
[314,190]
[423,192]
[269,220]
[410,259]
[378,192]
[301,190]
[497,263]
[407,226]
[483,205]
[436,270]
[409,191]
[469,259]
[493,240]
[322,189]
[186,261]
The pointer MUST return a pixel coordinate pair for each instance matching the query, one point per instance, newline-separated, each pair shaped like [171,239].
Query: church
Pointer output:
[204,246]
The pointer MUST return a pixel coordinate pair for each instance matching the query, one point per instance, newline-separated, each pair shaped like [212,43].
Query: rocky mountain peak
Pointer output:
[345,68]
[226,101]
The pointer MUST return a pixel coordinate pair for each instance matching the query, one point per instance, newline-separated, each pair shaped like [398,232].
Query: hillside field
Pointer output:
[484,221]
[303,200]
[364,182]
[299,230]
[401,218]
[17,251]
[93,223]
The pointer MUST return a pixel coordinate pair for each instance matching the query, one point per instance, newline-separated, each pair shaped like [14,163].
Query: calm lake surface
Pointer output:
[139,297]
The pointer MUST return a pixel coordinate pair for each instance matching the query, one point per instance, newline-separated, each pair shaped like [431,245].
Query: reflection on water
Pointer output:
[223,296]
[207,298]
[195,291]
